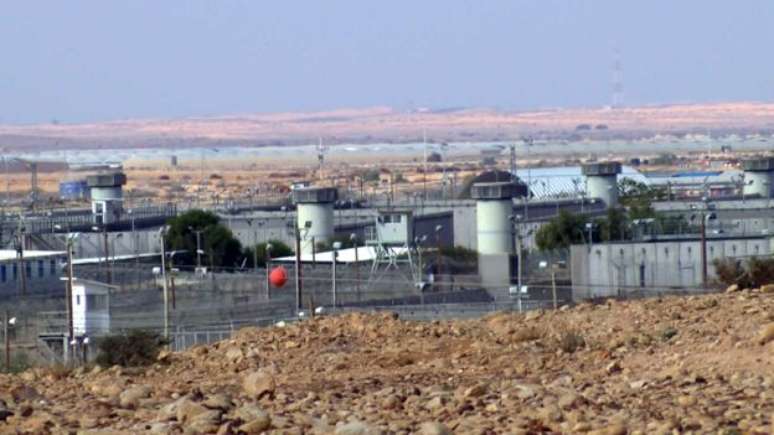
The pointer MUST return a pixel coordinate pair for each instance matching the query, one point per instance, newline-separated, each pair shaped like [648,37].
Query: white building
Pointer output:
[91,307]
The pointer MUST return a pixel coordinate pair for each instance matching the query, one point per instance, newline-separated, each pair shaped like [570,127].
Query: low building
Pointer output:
[42,271]
[91,307]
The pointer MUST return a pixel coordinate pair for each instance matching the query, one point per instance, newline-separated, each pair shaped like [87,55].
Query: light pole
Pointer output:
[198,246]
[20,259]
[268,269]
[515,222]
[106,266]
[438,257]
[69,288]
[7,321]
[353,238]
[336,247]
[255,243]
[162,234]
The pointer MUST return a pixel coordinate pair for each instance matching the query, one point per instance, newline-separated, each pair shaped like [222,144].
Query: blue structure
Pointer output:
[73,190]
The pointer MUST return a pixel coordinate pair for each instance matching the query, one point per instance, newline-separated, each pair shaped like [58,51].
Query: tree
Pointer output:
[278,249]
[561,232]
[217,241]
[614,226]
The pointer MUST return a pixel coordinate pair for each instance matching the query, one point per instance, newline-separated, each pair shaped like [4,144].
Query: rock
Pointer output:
[260,423]
[477,390]
[768,288]
[164,356]
[433,428]
[569,400]
[187,410]
[686,401]
[613,367]
[767,334]
[131,397]
[4,413]
[258,384]
[205,422]
[732,288]
[249,413]
[234,354]
[219,401]
[356,428]
[88,422]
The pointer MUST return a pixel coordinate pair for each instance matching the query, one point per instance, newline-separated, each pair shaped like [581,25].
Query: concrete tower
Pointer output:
[314,211]
[602,181]
[107,196]
[759,177]
[494,206]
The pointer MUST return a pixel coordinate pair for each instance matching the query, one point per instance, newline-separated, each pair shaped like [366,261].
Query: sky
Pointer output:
[94,60]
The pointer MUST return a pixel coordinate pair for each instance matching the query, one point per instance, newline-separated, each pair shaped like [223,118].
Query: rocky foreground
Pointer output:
[673,365]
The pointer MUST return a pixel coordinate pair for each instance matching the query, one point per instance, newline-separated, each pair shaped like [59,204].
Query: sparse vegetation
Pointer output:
[571,341]
[135,348]
[755,272]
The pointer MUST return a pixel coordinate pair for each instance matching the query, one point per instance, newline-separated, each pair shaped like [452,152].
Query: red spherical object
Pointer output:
[278,276]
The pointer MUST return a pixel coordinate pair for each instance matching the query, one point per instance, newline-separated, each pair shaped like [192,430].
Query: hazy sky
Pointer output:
[77,61]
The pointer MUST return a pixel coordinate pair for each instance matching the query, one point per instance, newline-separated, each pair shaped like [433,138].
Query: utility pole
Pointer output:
[198,249]
[703,230]
[20,261]
[7,340]
[162,234]
[268,271]
[299,286]
[353,238]
[336,246]
[69,291]
[424,171]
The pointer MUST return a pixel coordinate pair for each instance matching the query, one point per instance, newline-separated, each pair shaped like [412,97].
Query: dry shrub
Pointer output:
[570,341]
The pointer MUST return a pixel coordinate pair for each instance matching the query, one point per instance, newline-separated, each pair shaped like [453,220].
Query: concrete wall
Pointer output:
[603,270]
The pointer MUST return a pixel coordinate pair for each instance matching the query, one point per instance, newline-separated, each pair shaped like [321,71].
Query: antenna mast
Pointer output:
[617,100]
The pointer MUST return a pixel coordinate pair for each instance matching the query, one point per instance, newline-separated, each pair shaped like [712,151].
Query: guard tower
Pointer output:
[392,240]
[314,215]
[602,181]
[759,177]
[494,206]
[107,196]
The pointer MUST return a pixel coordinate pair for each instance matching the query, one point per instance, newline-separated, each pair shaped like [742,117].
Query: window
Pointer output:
[52,267]
[96,302]
[28,269]
[3,273]
[41,269]
[14,272]
[78,300]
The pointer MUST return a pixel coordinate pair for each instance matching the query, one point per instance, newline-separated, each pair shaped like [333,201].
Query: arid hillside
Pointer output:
[701,364]
[382,124]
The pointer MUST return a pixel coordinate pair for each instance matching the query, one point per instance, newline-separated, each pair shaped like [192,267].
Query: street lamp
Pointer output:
[268,269]
[336,247]
[353,239]
[8,321]
[162,234]
[438,229]
[199,250]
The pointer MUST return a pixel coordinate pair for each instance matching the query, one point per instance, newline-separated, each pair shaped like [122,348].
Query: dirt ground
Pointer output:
[700,364]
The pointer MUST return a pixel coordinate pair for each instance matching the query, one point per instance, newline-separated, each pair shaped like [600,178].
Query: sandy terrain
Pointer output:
[383,124]
[701,364]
